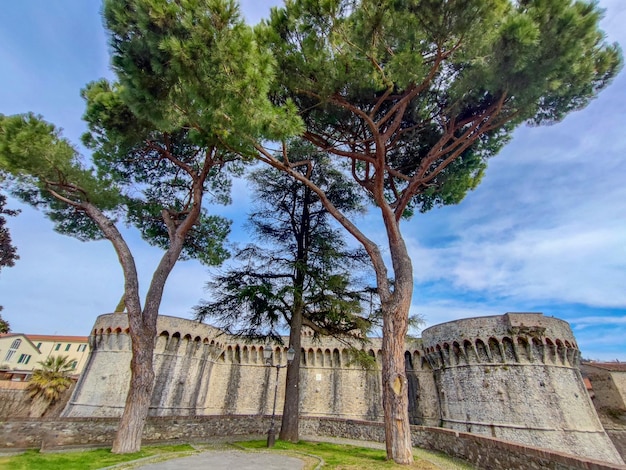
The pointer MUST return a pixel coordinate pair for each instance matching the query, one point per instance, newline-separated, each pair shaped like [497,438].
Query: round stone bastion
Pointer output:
[515,377]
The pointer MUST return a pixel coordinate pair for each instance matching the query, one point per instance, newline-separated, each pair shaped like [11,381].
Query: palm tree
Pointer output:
[48,383]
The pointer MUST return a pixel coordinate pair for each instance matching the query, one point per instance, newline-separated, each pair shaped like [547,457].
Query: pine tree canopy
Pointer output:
[417,94]
[196,64]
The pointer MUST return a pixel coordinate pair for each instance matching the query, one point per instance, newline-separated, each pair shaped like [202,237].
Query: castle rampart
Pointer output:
[201,371]
[514,377]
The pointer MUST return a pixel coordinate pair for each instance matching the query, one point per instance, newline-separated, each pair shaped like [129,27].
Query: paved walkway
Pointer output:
[229,460]
[223,457]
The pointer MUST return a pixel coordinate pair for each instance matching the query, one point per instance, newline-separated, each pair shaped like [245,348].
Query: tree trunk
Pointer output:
[130,429]
[143,332]
[38,407]
[291,408]
[395,387]
[395,325]
[142,323]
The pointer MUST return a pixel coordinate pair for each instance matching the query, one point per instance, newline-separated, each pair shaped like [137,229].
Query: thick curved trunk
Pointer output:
[395,385]
[143,334]
[395,307]
[130,429]
[142,322]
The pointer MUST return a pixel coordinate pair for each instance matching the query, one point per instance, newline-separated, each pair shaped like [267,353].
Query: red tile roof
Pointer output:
[55,338]
[58,339]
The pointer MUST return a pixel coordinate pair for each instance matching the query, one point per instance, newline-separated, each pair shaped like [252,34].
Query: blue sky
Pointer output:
[544,232]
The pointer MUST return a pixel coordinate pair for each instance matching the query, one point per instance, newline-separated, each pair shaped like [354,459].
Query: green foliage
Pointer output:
[196,64]
[302,260]
[8,252]
[51,379]
[34,151]
[362,359]
[46,171]
[138,173]
[159,171]
[423,92]
[190,101]
[5,327]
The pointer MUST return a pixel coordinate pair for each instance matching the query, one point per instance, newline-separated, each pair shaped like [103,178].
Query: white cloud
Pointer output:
[547,223]
[593,322]
[570,264]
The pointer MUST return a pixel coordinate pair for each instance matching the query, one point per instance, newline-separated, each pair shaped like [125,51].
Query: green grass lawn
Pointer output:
[83,460]
[348,457]
[334,457]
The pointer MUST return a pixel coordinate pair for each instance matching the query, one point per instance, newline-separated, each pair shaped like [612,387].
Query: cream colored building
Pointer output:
[20,353]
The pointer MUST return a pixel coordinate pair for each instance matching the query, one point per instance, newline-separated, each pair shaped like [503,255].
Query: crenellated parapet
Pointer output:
[513,338]
[179,336]
[416,359]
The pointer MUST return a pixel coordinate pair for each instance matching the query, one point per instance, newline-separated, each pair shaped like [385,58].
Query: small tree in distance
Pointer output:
[300,273]
[8,252]
[48,383]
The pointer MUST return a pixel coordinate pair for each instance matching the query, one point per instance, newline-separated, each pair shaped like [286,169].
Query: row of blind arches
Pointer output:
[309,357]
[165,342]
[506,350]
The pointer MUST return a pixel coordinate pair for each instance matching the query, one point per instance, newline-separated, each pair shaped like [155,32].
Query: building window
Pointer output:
[73,364]
[57,347]
[82,347]
[67,348]
[14,346]
[24,358]
[38,345]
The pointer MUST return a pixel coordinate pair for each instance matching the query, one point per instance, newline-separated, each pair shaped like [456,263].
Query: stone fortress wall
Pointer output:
[201,371]
[513,376]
